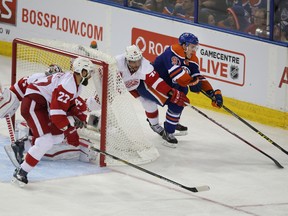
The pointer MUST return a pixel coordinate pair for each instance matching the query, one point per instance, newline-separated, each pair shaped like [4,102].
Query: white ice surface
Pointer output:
[243,181]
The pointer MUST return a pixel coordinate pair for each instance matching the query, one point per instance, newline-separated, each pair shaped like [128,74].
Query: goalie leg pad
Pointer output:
[62,151]
[88,155]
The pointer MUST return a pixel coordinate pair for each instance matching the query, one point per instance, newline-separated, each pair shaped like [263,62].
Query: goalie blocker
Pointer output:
[9,103]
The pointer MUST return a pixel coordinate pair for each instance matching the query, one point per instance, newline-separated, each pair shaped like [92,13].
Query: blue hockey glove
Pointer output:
[216,96]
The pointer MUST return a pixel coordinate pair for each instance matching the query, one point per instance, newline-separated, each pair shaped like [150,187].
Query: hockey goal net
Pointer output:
[120,134]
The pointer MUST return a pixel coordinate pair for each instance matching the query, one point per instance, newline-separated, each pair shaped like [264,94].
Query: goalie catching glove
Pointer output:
[216,96]
[77,122]
[178,97]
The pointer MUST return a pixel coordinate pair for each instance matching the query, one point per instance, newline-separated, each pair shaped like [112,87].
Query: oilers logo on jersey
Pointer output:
[186,69]
[175,60]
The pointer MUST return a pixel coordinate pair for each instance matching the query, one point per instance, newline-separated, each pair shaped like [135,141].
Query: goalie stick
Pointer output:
[249,125]
[8,149]
[245,141]
[192,189]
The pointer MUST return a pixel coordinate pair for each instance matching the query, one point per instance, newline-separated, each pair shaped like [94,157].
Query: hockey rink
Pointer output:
[243,181]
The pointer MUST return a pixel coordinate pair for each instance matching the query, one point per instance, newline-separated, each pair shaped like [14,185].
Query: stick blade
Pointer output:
[10,153]
[278,164]
[198,188]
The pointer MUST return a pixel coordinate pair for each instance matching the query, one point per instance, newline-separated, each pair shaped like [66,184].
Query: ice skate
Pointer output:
[18,147]
[20,176]
[156,128]
[170,140]
[181,130]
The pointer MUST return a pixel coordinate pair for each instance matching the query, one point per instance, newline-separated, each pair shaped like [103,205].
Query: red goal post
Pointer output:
[120,133]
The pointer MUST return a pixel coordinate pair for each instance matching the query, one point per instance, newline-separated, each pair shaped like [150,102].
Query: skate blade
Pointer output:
[180,133]
[170,145]
[16,182]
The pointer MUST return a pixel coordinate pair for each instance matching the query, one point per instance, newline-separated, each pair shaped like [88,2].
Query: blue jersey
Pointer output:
[172,66]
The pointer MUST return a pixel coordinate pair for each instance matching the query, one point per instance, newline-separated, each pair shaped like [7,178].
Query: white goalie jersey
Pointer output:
[10,98]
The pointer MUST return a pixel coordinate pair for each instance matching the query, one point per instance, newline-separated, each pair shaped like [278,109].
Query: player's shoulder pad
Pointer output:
[68,83]
[146,66]
[120,60]
[177,50]
[32,78]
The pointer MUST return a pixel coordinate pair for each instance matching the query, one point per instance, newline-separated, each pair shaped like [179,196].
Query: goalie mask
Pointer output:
[53,68]
[133,57]
[80,65]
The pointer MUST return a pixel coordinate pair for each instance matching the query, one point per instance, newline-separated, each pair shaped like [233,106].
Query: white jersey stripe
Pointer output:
[57,112]
[16,86]
[35,119]
[155,84]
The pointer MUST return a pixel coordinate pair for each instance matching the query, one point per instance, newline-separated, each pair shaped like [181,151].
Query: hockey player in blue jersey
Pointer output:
[178,66]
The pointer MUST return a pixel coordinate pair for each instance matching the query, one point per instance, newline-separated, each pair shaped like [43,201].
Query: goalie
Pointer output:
[9,102]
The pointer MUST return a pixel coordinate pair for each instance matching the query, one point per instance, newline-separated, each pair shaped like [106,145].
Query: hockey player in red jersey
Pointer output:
[144,83]
[178,66]
[45,106]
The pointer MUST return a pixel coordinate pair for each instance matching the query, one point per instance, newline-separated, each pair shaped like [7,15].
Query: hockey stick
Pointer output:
[248,143]
[10,128]
[192,189]
[8,148]
[249,125]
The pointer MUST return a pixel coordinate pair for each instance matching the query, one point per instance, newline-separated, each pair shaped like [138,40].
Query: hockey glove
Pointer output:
[178,97]
[195,85]
[216,96]
[72,137]
[79,122]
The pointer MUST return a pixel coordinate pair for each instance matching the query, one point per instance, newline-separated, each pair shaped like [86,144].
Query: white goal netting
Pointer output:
[120,132]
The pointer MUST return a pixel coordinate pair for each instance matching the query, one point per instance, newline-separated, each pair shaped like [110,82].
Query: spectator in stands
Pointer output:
[235,20]
[259,23]
[186,11]
[218,8]
[178,3]
[250,6]
[161,6]
[281,32]
[206,17]
[281,20]
[137,3]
